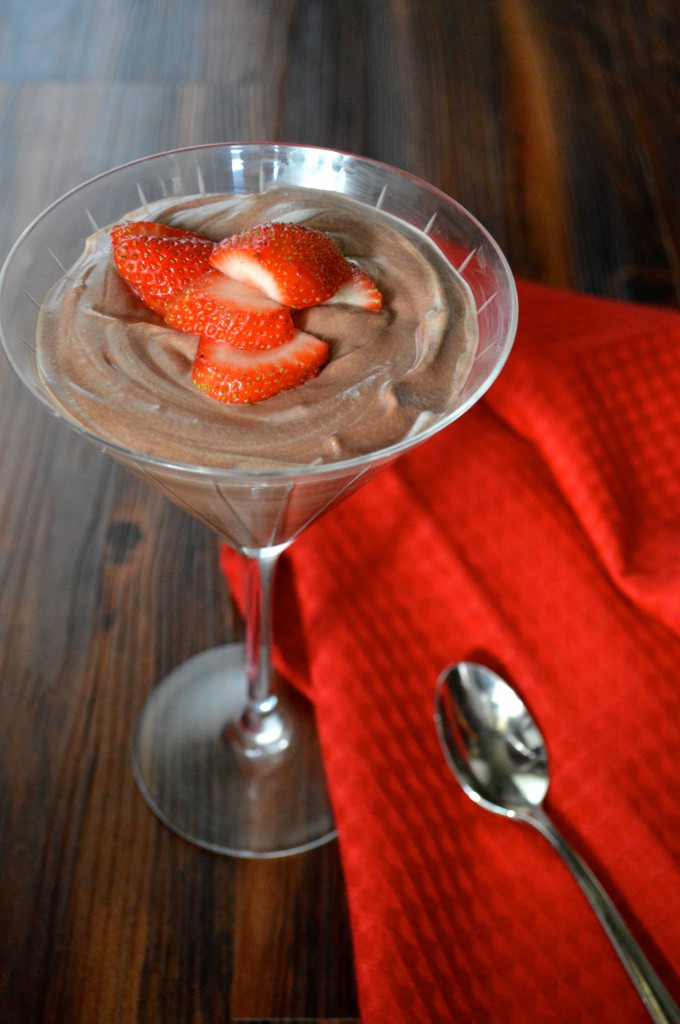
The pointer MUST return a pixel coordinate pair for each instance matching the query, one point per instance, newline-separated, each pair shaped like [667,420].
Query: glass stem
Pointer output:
[262,729]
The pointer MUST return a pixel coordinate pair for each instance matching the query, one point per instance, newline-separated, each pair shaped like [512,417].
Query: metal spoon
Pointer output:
[497,753]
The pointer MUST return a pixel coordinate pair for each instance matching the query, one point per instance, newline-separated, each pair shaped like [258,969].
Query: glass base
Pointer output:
[205,788]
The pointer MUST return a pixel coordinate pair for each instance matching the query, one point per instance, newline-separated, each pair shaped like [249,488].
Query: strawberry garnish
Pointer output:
[224,310]
[296,266]
[249,349]
[232,375]
[358,290]
[157,267]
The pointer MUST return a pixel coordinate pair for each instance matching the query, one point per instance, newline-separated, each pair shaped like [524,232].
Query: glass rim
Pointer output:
[283,472]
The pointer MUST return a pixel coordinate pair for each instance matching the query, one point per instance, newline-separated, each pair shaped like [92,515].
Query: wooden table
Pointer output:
[557,125]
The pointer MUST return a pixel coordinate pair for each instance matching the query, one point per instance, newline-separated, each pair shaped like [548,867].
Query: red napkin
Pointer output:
[540,534]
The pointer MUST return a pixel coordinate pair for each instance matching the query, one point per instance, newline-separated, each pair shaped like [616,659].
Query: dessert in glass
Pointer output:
[225,753]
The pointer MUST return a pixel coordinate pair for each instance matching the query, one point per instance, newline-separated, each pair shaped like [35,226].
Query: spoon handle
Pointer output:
[654,995]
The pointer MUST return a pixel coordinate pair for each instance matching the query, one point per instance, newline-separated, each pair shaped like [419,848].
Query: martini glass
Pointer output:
[224,753]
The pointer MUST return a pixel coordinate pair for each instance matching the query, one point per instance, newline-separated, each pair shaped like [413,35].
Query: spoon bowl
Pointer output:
[497,752]
[490,741]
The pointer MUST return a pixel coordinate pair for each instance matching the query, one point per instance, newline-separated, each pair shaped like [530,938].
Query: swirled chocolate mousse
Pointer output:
[117,368]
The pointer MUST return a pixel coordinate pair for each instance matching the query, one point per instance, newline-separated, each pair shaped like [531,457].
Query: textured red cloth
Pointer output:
[541,534]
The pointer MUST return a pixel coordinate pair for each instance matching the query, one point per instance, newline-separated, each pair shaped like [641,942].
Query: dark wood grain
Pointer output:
[556,124]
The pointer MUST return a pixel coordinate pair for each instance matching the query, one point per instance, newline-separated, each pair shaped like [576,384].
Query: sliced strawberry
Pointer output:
[157,267]
[232,375]
[359,290]
[217,307]
[294,265]
[136,228]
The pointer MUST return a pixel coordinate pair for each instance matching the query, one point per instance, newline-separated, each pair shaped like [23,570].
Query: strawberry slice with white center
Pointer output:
[359,290]
[295,265]
[158,267]
[233,375]
[224,310]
